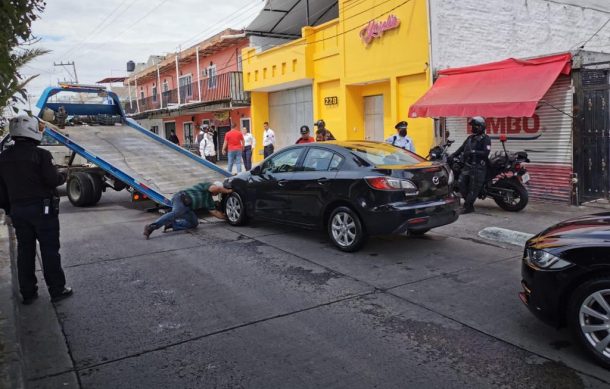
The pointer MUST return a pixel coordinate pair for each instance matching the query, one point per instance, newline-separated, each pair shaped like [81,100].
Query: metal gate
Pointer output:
[288,111]
[593,146]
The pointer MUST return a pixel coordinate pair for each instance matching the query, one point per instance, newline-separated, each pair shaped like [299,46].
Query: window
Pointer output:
[169,127]
[383,154]
[186,87]
[317,160]
[335,162]
[245,122]
[165,86]
[239,64]
[154,93]
[154,129]
[141,94]
[212,79]
[188,133]
[283,162]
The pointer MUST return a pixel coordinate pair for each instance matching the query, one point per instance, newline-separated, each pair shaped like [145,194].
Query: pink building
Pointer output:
[200,85]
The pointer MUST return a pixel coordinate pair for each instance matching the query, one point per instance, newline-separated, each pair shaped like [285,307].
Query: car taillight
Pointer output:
[390,183]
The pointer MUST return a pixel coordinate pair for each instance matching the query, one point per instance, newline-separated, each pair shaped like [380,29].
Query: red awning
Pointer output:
[511,87]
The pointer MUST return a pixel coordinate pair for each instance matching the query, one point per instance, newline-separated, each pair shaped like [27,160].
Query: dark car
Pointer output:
[566,280]
[352,189]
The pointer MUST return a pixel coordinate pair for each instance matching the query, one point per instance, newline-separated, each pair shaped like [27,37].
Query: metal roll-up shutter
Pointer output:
[288,111]
[547,138]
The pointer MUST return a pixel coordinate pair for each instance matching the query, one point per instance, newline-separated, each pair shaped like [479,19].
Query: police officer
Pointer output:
[28,182]
[475,156]
[401,139]
[323,134]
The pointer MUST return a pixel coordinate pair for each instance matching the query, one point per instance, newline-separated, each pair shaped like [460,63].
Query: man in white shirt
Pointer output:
[206,147]
[268,140]
[249,145]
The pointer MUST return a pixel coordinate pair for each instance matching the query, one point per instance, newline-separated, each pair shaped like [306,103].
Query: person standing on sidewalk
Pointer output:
[173,138]
[206,147]
[305,138]
[234,147]
[28,194]
[184,203]
[268,140]
[401,139]
[249,145]
[323,134]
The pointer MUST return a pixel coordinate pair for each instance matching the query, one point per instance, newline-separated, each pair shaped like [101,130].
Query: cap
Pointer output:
[401,125]
[304,130]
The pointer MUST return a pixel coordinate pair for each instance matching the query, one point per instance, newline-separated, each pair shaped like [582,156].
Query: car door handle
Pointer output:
[323,181]
[282,182]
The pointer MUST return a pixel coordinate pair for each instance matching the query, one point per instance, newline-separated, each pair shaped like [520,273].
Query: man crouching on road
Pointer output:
[184,203]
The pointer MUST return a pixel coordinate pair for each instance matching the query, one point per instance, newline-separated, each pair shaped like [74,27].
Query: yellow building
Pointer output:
[359,72]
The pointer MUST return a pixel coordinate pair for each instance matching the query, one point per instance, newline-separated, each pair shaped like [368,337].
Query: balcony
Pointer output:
[226,87]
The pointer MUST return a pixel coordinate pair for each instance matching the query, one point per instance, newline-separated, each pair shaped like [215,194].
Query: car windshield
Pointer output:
[383,154]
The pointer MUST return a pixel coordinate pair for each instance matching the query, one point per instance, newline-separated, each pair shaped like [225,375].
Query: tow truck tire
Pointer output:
[80,189]
[98,186]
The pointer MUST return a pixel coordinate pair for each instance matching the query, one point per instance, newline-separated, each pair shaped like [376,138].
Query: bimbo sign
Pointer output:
[375,29]
[513,128]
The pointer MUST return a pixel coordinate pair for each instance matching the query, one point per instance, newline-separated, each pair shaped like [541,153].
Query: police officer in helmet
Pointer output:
[474,153]
[28,193]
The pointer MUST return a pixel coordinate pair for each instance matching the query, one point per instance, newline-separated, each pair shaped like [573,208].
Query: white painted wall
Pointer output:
[468,32]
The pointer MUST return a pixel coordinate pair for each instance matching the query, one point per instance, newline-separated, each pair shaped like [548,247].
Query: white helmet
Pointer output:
[25,126]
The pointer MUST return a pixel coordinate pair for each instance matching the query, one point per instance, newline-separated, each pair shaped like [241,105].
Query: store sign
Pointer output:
[332,100]
[375,29]
[514,128]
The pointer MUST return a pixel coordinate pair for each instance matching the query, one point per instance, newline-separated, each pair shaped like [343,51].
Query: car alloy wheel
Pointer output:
[594,320]
[233,209]
[344,229]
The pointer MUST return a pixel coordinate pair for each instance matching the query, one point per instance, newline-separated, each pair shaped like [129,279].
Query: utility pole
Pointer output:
[73,69]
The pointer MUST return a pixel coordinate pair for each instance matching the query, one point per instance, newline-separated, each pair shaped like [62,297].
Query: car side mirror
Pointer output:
[256,171]
[503,138]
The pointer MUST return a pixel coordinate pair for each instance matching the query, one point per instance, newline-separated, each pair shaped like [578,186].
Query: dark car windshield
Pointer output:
[383,154]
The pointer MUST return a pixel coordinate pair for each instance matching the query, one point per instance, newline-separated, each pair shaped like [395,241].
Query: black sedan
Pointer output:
[352,189]
[566,280]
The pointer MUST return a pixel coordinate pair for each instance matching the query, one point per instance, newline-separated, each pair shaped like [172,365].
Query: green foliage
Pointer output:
[16,17]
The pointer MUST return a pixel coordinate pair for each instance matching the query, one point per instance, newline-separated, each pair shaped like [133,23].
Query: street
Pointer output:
[269,306]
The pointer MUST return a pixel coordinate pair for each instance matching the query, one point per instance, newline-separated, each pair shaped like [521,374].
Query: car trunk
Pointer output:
[431,179]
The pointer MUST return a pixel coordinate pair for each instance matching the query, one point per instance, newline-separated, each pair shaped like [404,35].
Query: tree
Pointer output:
[16,40]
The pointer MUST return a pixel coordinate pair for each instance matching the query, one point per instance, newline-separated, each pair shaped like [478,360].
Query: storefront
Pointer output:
[359,80]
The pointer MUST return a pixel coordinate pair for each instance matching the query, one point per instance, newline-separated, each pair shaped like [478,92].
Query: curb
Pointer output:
[503,235]
[11,361]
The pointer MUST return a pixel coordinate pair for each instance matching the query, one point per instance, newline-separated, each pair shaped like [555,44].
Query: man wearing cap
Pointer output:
[305,138]
[28,193]
[401,139]
[184,203]
[323,134]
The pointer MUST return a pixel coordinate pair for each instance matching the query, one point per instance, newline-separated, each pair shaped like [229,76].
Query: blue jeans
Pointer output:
[247,156]
[179,218]
[234,158]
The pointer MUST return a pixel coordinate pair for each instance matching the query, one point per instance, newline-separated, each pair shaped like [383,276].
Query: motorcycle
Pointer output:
[505,178]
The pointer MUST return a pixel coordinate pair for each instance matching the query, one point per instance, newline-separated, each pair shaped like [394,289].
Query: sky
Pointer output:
[101,36]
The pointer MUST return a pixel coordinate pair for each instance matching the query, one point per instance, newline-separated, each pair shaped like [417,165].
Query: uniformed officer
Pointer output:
[475,155]
[28,182]
[323,134]
[401,139]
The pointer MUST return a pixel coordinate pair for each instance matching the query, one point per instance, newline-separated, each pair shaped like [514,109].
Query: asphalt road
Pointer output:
[268,306]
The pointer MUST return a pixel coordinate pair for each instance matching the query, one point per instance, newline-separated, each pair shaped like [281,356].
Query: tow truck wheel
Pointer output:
[97,185]
[80,189]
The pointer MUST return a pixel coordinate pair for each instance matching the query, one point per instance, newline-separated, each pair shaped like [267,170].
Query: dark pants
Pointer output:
[247,157]
[268,150]
[211,158]
[31,225]
[470,183]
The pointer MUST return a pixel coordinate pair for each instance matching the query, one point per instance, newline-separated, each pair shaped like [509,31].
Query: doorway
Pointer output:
[373,118]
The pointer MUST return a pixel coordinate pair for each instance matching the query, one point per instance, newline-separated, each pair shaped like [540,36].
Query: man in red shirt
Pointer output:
[234,144]
[305,138]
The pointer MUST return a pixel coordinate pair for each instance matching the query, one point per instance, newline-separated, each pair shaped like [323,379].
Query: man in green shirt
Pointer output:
[184,203]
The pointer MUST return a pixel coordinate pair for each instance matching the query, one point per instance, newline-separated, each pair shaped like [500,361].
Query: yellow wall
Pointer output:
[259,113]
[338,63]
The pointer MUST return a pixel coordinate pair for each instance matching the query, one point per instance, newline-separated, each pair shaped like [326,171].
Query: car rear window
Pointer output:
[383,154]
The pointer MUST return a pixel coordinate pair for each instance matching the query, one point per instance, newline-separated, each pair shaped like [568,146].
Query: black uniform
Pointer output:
[475,155]
[28,182]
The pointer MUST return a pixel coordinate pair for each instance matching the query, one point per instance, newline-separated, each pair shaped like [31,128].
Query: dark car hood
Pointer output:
[591,230]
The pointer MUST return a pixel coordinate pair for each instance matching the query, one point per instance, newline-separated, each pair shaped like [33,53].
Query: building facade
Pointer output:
[200,85]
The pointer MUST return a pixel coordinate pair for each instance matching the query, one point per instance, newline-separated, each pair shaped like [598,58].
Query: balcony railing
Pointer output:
[223,87]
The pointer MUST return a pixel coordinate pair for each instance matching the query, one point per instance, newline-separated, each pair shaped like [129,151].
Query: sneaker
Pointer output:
[148,229]
[29,299]
[67,292]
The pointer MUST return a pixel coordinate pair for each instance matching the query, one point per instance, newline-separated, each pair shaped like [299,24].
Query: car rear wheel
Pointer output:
[345,229]
[235,210]
[589,318]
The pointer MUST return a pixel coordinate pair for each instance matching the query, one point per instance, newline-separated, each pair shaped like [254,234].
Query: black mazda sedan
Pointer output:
[352,189]
[566,280]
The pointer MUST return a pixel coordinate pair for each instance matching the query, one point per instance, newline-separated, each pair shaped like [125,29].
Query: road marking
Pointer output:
[504,235]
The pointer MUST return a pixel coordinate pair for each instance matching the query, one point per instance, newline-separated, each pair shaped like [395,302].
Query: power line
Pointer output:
[592,36]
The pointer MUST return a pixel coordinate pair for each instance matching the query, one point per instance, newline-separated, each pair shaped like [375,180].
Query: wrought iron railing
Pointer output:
[223,87]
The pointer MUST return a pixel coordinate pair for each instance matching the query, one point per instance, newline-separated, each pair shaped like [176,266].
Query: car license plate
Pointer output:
[525,178]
